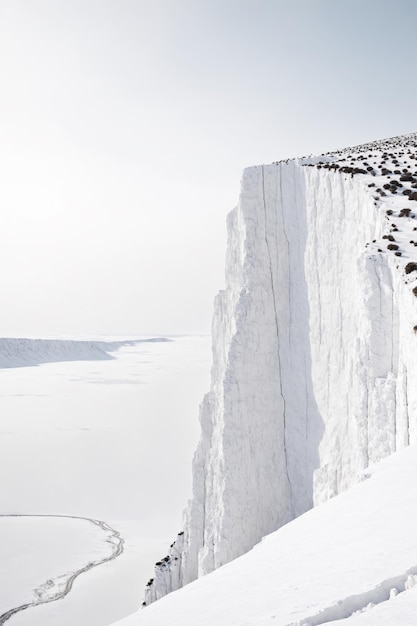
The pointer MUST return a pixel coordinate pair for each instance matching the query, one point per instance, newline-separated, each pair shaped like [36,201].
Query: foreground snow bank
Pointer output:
[21,352]
[333,563]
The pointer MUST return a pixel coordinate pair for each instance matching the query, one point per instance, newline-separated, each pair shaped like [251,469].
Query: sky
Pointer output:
[125,126]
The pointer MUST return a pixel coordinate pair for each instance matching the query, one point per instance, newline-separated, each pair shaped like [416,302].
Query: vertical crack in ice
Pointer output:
[407,417]
[306,390]
[278,338]
[289,334]
[379,291]
[366,447]
[342,317]
[394,367]
[316,264]
[203,541]
[392,333]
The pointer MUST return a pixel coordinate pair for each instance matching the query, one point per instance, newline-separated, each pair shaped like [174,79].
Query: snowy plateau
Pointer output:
[313,384]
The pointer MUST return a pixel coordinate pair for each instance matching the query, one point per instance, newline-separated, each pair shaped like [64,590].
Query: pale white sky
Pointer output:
[124,127]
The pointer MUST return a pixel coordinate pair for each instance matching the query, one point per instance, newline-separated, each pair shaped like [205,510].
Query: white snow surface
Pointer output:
[313,349]
[351,560]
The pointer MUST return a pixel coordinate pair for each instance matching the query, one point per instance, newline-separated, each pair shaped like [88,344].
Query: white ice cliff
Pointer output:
[313,348]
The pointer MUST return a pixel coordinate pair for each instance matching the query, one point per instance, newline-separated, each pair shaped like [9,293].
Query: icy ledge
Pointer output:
[23,352]
[313,349]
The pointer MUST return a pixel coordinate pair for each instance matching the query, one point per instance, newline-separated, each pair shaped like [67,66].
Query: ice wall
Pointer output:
[313,346]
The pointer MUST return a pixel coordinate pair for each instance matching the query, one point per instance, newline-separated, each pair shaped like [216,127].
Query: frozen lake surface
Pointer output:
[107,440]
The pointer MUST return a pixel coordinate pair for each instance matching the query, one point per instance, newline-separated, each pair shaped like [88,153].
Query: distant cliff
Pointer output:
[314,342]
[22,352]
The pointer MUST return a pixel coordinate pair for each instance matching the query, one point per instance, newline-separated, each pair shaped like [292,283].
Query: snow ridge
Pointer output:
[313,342]
[362,602]
[23,352]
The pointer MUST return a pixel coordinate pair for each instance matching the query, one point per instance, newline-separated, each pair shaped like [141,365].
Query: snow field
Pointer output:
[94,439]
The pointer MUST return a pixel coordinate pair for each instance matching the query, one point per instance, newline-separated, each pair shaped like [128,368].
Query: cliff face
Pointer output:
[313,344]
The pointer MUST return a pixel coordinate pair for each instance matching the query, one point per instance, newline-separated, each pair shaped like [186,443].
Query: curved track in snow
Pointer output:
[46,592]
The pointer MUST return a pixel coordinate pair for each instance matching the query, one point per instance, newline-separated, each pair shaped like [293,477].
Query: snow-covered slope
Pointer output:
[350,560]
[20,352]
[313,348]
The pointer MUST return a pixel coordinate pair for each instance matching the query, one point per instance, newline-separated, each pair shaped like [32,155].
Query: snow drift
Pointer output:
[22,352]
[313,349]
